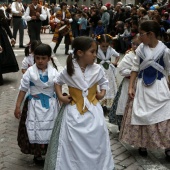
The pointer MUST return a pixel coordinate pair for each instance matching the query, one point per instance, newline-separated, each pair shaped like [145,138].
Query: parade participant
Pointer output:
[63,18]
[45,23]
[82,140]
[120,100]
[42,106]
[146,121]
[34,16]
[8,62]
[104,55]
[29,56]
[17,12]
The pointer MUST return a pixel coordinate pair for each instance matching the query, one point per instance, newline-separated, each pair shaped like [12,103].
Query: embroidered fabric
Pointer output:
[50,161]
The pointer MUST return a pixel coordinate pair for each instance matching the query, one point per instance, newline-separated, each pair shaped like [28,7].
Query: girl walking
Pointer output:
[146,121]
[120,100]
[104,56]
[42,105]
[81,141]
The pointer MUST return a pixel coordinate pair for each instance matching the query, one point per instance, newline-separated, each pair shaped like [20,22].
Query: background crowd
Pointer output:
[120,21]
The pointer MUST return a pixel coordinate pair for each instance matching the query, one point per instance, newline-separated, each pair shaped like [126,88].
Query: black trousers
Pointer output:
[18,25]
[34,29]
[1,77]
[66,41]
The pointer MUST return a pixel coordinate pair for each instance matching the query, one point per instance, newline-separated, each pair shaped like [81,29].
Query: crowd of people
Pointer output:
[120,21]
[70,129]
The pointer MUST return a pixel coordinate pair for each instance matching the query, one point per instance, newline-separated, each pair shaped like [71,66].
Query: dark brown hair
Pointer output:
[150,26]
[44,49]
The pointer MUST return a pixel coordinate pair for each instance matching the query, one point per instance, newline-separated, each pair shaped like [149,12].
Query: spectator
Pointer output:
[17,12]
[105,18]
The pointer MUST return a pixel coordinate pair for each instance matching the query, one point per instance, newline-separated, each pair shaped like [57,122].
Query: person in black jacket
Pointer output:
[8,62]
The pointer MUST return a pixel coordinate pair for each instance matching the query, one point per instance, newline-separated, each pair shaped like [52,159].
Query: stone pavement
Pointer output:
[125,157]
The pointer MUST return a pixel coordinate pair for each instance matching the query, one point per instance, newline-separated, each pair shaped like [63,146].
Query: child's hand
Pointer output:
[1,49]
[131,93]
[17,112]
[99,95]
[115,64]
[65,99]
[13,41]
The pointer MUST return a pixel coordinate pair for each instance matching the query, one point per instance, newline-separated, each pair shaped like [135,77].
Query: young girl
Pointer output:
[120,100]
[81,141]
[42,105]
[29,56]
[104,55]
[146,123]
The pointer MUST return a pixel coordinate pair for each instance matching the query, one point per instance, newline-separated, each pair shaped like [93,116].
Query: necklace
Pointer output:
[83,69]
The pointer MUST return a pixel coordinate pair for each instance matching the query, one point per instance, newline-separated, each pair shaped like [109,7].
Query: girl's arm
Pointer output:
[103,85]
[169,81]
[20,98]
[131,91]
[116,61]
[62,99]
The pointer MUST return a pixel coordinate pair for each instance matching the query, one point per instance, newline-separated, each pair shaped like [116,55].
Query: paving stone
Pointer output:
[11,158]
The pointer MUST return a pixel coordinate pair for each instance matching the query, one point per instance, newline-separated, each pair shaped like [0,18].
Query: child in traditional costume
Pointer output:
[40,113]
[104,55]
[146,122]
[80,138]
[29,56]
[120,100]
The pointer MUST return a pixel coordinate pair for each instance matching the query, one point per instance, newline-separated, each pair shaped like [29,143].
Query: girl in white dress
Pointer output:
[120,100]
[80,139]
[146,122]
[42,106]
[104,55]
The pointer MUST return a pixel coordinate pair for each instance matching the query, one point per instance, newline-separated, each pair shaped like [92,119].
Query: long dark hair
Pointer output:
[32,47]
[82,43]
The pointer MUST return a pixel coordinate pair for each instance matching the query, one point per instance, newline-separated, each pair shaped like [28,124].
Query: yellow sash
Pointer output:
[78,99]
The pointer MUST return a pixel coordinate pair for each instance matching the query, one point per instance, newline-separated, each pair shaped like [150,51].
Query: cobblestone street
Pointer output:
[11,158]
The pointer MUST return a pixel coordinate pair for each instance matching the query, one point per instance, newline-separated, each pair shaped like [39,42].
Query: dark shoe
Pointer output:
[105,110]
[143,152]
[1,80]
[38,160]
[55,49]
[21,46]
[167,153]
